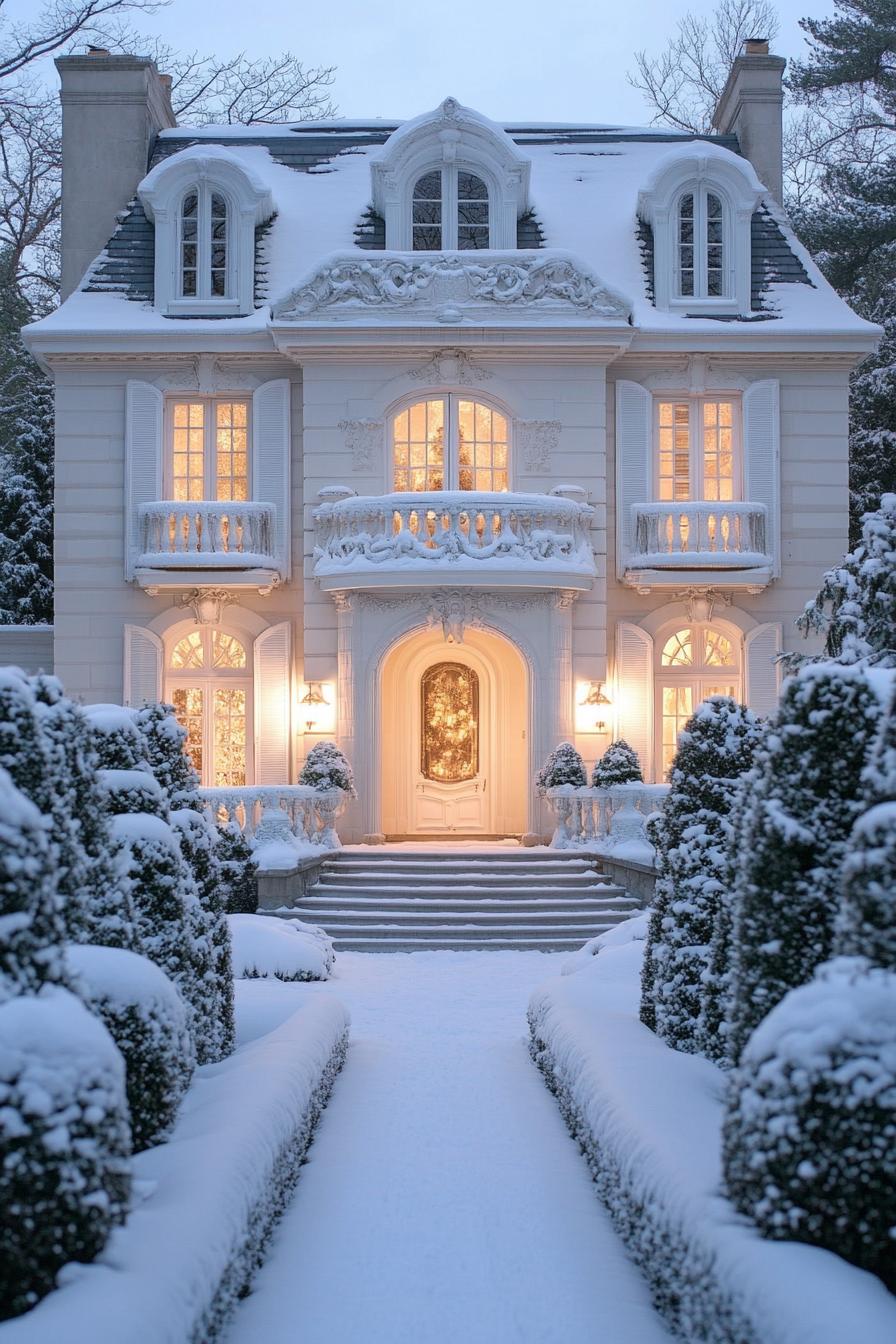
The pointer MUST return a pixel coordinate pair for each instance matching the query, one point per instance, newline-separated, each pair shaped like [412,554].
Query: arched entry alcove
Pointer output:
[454,736]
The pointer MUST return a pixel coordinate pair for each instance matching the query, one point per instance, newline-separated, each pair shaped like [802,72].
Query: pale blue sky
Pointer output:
[554,60]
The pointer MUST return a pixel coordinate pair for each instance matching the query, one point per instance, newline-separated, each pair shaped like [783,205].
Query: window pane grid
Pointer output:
[426,217]
[686,244]
[188,450]
[718,450]
[472,212]
[229,736]
[419,447]
[218,230]
[231,450]
[700,245]
[482,447]
[188,705]
[674,450]
[203,245]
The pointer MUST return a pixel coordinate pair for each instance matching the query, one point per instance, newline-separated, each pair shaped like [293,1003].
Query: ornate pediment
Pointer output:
[453,287]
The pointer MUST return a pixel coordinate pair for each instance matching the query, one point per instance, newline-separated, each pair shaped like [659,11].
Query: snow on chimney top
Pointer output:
[756,46]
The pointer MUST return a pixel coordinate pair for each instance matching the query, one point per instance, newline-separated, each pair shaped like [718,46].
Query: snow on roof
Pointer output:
[584,191]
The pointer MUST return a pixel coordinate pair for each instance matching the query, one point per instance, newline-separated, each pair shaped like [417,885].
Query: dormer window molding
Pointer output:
[206,206]
[450,179]
[700,207]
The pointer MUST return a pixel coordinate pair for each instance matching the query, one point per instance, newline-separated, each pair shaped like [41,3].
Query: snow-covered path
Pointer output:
[443,1202]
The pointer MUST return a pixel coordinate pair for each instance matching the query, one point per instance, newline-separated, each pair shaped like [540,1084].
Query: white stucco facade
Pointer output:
[563,584]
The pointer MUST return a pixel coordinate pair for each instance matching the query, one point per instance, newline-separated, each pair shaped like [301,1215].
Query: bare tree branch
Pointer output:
[57,23]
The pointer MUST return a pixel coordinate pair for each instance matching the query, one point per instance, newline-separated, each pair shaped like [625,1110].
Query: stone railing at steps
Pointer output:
[603,817]
[224,534]
[460,528]
[265,813]
[699,534]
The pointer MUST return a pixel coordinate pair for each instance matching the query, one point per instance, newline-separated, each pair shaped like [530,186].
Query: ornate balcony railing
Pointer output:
[222,534]
[278,812]
[604,818]
[472,531]
[699,535]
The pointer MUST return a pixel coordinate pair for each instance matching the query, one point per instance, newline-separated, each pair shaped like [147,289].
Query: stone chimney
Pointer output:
[112,109]
[750,108]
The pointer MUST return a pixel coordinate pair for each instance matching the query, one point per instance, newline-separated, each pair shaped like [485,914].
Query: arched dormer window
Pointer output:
[204,271]
[449,209]
[700,208]
[450,179]
[205,205]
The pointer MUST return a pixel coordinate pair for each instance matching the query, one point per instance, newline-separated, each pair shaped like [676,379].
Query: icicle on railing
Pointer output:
[276,812]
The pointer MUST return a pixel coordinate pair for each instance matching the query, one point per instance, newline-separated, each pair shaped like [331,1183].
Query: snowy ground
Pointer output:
[443,1200]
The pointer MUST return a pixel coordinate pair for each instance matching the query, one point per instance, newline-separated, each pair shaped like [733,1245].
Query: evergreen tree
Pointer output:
[238,871]
[326,767]
[856,605]
[618,765]
[31,930]
[795,835]
[94,894]
[693,838]
[563,766]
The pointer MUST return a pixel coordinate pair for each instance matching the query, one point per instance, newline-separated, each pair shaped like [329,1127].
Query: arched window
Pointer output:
[203,267]
[449,209]
[450,443]
[209,683]
[701,260]
[695,661]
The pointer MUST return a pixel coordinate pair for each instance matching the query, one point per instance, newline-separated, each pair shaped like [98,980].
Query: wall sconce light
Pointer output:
[313,702]
[592,709]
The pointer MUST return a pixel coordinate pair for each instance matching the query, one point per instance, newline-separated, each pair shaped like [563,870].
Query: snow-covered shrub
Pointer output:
[32,929]
[93,893]
[173,771]
[563,766]
[238,876]
[64,1141]
[326,767]
[856,605]
[23,751]
[692,838]
[147,1019]
[133,791]
[119,743]
[795,835]
[810,1133]
[285,949]
[618,765]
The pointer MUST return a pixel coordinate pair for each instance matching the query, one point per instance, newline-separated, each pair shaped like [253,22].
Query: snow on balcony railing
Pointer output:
[460,528]
[699,535]
[605,818]
[223,534]
[270,812]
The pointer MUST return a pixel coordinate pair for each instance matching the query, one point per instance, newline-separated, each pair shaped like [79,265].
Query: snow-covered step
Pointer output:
[461,876]
[392,890]
[502,905]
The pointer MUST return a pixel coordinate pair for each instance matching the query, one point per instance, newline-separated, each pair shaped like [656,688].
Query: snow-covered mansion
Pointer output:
[445,438]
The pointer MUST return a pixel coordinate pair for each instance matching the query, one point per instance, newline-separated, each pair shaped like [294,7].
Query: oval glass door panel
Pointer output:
[449,723]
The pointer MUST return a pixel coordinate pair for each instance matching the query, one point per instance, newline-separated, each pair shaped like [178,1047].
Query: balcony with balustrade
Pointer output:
[466,538]
[727,544]
[181,544]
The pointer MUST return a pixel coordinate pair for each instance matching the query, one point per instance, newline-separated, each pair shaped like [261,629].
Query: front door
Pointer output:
[451,785]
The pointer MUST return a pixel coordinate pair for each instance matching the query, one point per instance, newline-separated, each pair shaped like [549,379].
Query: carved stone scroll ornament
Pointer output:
[451,366]
[450,283]
[364,440]
[537,440]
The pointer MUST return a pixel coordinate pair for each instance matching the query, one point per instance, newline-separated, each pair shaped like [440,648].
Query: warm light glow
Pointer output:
[449,709]
[317,707]
[592,707]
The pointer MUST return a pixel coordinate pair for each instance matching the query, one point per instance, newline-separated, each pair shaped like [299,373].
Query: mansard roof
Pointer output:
[583,197]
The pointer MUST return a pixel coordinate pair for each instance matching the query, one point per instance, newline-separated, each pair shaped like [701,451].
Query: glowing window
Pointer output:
[209,448]
[678,650]
[451,443]
[189,651]
[227,651]
[697,449]
[690,662]
[210,687]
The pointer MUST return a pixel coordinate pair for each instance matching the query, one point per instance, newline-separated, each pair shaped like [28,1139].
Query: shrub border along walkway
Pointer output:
[211,1196]
[711,1275]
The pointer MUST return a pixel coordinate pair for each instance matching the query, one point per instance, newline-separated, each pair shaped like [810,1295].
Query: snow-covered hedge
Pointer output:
[287,949]
[810,1133]
[64,1142]
[213,1194]
[618,765]
[238,877]
[326,767]
[563,766]
[649,1122]
[147,1019]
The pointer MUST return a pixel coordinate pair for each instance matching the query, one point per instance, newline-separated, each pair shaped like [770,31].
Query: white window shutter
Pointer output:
[142,461]
[634,691]
[762,451]
[142,666]
[270,461]
[273,720]
[634,462]
[762,673]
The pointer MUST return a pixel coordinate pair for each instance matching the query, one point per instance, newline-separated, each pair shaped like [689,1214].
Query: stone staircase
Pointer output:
[407,900]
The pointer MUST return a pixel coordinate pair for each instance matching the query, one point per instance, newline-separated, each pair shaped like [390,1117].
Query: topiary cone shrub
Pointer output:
[618,765]
[809,1144]
[326,767]
[563,766]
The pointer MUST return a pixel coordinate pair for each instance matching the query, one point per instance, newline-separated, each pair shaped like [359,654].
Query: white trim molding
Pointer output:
[205,168]
[706,167]
[457,136]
